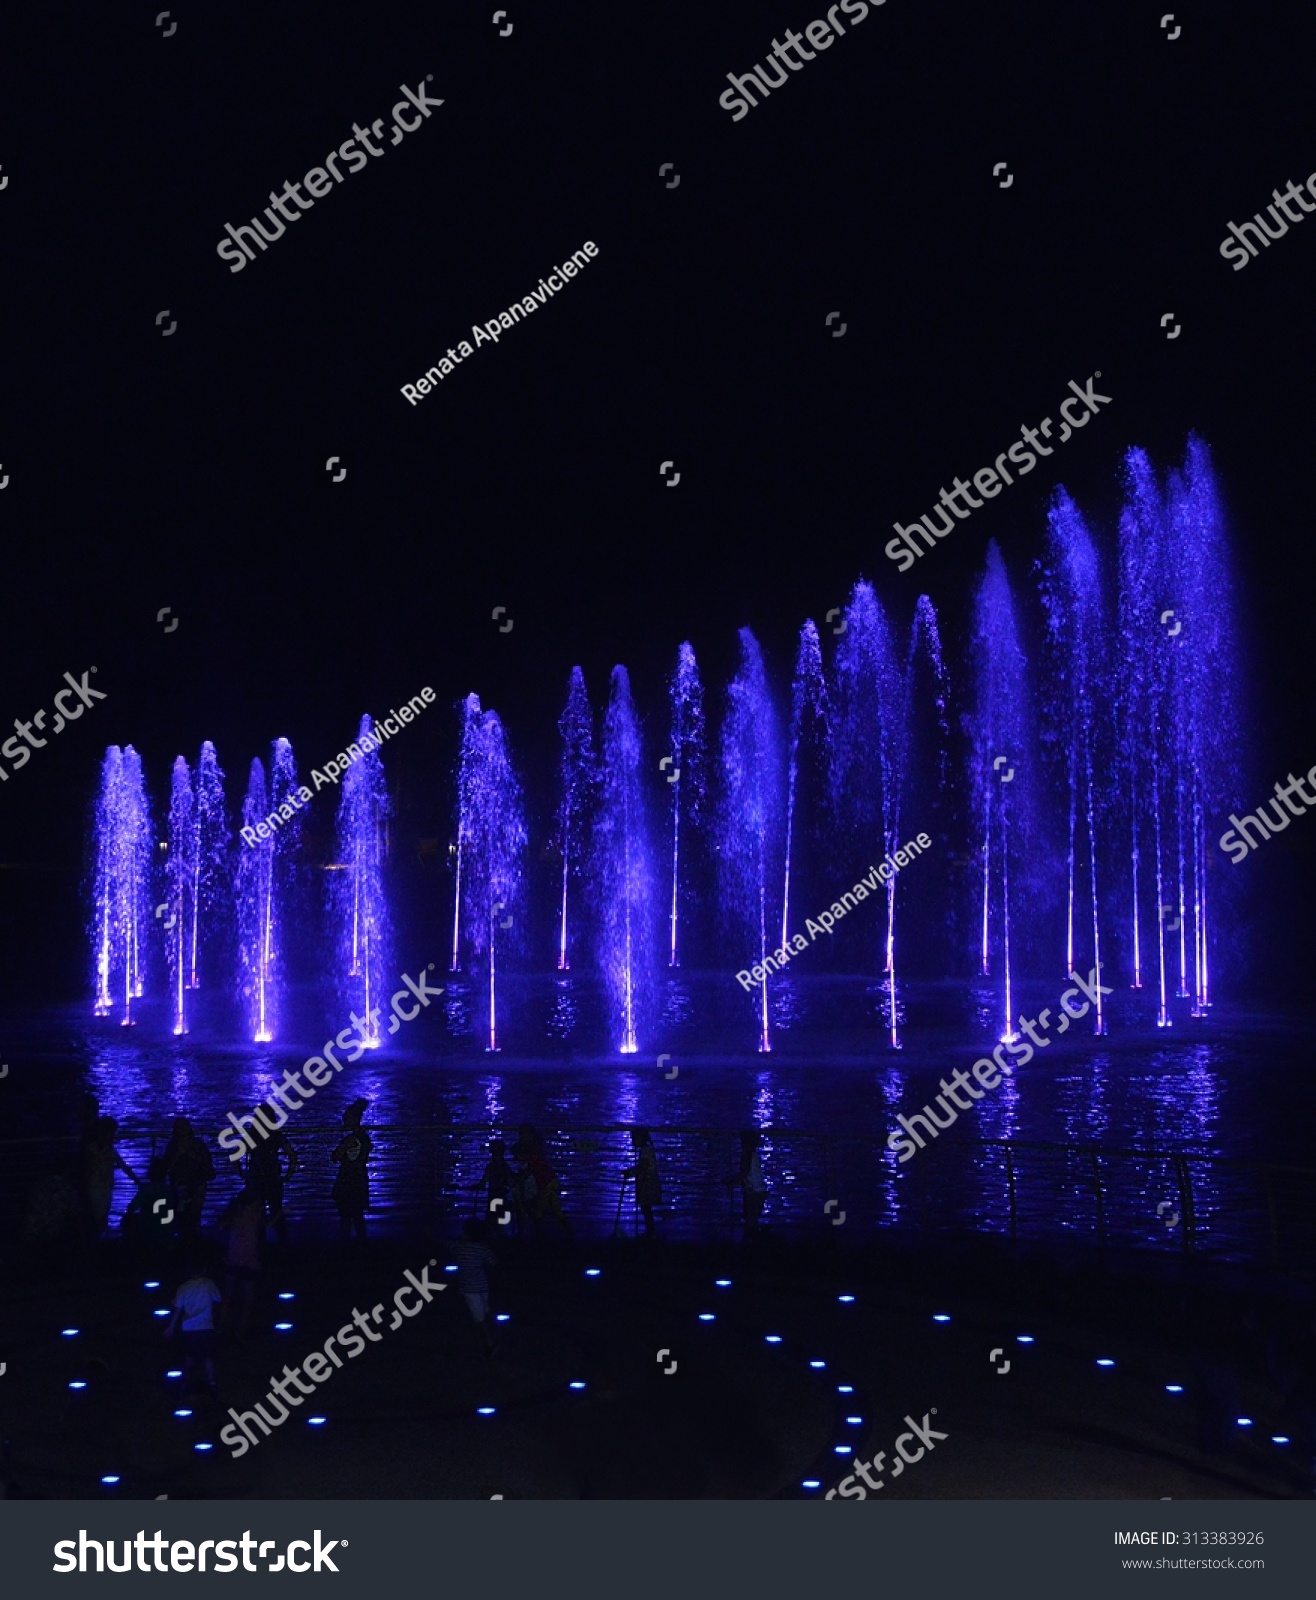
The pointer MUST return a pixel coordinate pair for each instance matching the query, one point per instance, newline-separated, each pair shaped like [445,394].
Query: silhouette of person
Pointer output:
[194,1306]
[750,1182]
[473,1258]
[152,1213]
[266,1175]
[648,1185]
[351,1190]
[100,1161]
[541,1189]
[189,1168]
[497,1180]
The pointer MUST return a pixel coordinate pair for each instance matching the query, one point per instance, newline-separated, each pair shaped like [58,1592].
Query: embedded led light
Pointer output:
[845,1299]
[840,1449]
[202,1445]
[503,1316]
[175,1372]
[772,1338]
[283,1327]
[1279,1438]
[576,1385]
[1174,1388]
[1244,1422]
[161,1311]
[817,1364]
[182,1412]
[153,1283]
[722,1283]
[940,1316]
[593,1272]
[1104,1361]
[77,1384]
[1024,1338]
[316,1422]
[854,1422]
[452,1268]
[110,1477]
[811,1483]
[706,1316]
[72,1333]
[484,1411]
[286,1294]
[845,1388]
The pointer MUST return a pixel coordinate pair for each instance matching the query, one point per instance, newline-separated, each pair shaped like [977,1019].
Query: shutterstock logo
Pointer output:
[181,1555]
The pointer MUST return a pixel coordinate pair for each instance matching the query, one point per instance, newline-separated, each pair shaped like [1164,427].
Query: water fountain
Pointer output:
[180,874]
[495,840]
[264,883]
[209,856]
[1080,691]
[621,860]
[578,778]
[1001,772]
[471,715]
[686,759]
[810,749]
[357,896]
[121,891]
[750,845]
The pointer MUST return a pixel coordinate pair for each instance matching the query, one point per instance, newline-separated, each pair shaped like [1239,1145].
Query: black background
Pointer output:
[189,471]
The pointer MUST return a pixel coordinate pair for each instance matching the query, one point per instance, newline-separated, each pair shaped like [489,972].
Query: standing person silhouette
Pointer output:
[188,1166]
[648,1185]
[351,1189]
[100,1161]
[750,1181]
[266,1176]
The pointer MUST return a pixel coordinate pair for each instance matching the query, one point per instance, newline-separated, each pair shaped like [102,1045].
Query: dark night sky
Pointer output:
[189,471]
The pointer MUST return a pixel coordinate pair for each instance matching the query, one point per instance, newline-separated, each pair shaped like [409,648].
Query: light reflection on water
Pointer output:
[826,1114]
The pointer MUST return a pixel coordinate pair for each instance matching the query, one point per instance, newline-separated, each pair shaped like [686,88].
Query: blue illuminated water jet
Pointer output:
[180,874]
[871,751]
[810,747]
[210,880]
[471,714]
[578,781]
[750,843]
[623,873]
[686,694]
[359,904]
[263,881]
[121,892]
[1001,773]
[494,844]
[1079,692]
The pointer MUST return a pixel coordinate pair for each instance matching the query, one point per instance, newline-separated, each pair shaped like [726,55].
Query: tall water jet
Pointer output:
[1000,739]
[264,883]
[180,874]
[871,749]
[1205,666]
[1141,539]
[121,892]
[209,856]
[686,693]
[578,780]
[357,889]
[495,842]
[471,714]
[749,834]
[1080,650]
[623,873]
[809,746]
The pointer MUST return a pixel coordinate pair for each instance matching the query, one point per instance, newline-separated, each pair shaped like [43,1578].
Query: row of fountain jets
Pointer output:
[1097,830]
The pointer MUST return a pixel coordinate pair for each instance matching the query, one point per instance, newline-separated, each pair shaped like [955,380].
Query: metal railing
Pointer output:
[1196,1204]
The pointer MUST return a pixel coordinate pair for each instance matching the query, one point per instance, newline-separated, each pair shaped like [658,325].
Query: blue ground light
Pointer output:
[576,1385]
[286,1294]
[316,1422]
[77,1384]
[110,1478]
[811,1483]
[940,1316]
[1279,1438]
[593,1272]
[283,1327]
[161,1311]
[174,1372]
[706,1316]
[182,1412]
[1174,1388]
[846,1299]
[816,1364]
[68,1333]
[485,1411]
[845,1388]
[1104,1361]
[722,1283]
[152,1283]
[772,1338]
[1024,1338]
[203,1446]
